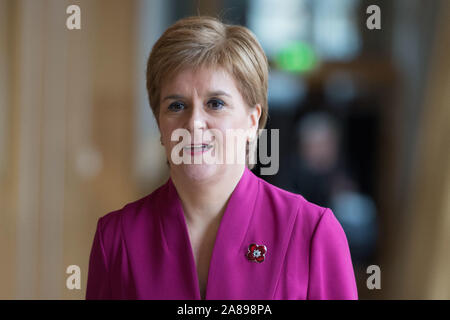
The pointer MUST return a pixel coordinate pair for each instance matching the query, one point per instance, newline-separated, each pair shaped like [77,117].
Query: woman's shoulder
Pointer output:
[312,221]
[131,212]
[308,215]
[281,197]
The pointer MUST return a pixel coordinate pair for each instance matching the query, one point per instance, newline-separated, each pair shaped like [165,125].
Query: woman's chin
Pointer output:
[199,172]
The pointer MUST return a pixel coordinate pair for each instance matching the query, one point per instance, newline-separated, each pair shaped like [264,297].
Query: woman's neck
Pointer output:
[205,201]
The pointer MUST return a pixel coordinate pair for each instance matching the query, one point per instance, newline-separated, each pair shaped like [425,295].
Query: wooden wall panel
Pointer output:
[425,256]
[69,155]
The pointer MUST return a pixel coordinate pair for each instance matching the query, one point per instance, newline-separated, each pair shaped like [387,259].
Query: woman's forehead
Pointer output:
[202,79]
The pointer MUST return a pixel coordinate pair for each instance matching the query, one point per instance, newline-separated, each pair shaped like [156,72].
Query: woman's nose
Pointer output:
[197,118]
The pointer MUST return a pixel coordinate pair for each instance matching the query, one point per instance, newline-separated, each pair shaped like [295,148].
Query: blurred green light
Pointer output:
[296,57]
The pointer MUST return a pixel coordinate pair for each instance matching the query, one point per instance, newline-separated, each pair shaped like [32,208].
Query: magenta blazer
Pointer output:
[143,251]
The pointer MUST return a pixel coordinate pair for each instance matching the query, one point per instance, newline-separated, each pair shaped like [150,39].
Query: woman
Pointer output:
[214,230]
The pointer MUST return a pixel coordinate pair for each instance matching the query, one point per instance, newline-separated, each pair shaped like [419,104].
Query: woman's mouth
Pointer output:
[198,148]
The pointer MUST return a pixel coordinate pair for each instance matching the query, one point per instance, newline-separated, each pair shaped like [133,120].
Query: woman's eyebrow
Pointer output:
[218,93]
[174,97]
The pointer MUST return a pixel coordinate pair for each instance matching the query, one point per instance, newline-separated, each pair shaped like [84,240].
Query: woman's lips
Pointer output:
[194,149]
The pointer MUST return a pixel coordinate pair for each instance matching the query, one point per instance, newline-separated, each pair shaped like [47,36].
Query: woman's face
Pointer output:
[205,101]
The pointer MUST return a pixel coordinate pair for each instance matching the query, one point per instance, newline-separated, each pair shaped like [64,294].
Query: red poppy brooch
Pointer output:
[256,252]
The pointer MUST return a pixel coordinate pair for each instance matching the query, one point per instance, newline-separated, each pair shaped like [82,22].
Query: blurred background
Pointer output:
[363,117]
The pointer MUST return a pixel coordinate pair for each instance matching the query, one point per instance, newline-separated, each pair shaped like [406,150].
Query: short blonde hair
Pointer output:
[203,41]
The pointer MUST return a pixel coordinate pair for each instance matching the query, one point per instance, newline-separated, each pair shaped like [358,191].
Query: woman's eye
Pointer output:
[176,106]
[216,104]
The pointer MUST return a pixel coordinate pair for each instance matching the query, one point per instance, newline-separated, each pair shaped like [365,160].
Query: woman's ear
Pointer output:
[255,114]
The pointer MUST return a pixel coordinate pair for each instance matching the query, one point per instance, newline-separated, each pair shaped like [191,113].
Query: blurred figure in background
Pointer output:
[314,165]
[318,172]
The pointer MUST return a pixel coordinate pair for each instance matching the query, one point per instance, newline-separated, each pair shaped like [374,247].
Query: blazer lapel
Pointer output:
[160,256]
[250,217]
